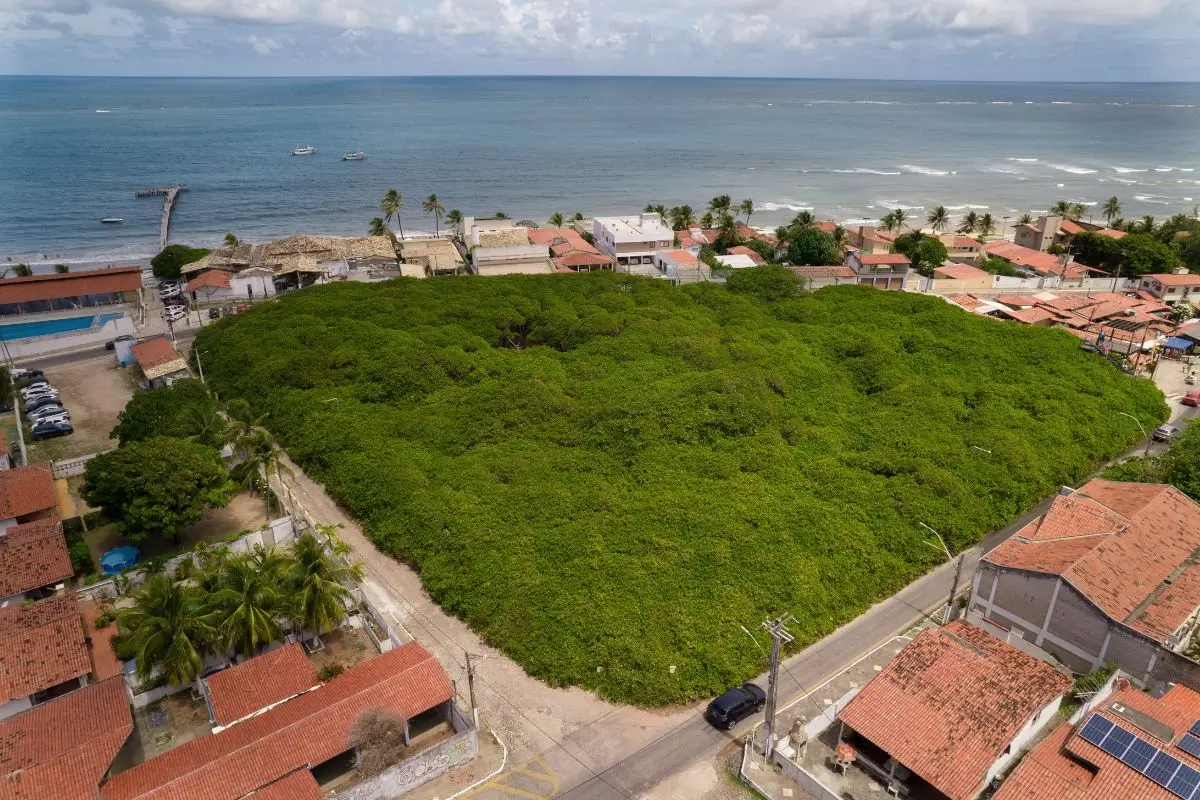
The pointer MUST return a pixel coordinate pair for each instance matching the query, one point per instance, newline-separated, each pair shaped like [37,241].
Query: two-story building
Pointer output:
[633,239]
[881,270]
[1110,573]
[1175,287]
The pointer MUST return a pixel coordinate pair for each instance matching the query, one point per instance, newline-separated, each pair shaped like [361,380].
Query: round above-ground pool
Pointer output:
[119,558]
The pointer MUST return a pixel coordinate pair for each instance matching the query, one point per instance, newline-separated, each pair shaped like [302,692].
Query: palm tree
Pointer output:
[803,219]
[894,220]
[61,269]
[500,215]
[454,218]
[969,223]
[783,236]
[318,580]
[432,205]
[378,227]
[390,205]
[168,626]
[1111,209]
[262,458]
[720,205]
[655,208]
[578,217]
[682,218]
[707,220]
[985,227]
[211,427]
[555,221]
[840,237]
[231,240]
[938,219]
[1066,210]
[1146,225]
[250,600]
[1025,219]
[746,207]
[21,271]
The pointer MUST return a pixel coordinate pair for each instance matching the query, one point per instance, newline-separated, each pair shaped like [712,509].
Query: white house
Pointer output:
[632,240]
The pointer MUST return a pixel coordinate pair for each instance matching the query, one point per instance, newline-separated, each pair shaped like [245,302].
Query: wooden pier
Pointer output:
[169,195]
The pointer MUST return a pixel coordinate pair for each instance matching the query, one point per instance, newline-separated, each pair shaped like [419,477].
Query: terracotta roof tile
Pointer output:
[33,555]
[70,284]
[62,749]
[158,357]
[305,731]
[299,785]
[26,490]
[41,645]
[1030,316]
[950,702]
[742,250]
[1035,260]
[833,271]
[1117,543]
[214,279]
[259,682]
[1170,279]
[961,272]
[967,243]
[869,260]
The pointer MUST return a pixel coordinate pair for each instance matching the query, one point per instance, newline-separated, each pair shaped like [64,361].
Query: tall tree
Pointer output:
[746,207]
[803,219]
[578,217]
[682,218]
[985,227]
[555,221]
[251,600]
[320,585]
[500,215]
[894,220]
[168,627]
[432,205]
[170,411]
[454,218]
[938,219]
[231,240]
[1146,225]
[1111,209]
[390,205]
[262,456]
[706,221]
[969,223]
[655,208]
[378,227]
[720,205]
[1025,219]
[840,237]
[812,246]
[1068,210]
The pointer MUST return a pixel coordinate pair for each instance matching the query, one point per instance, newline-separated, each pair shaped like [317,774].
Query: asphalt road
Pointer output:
[696,740]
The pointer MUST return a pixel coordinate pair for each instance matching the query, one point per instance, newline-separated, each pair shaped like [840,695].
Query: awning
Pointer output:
[1178,343]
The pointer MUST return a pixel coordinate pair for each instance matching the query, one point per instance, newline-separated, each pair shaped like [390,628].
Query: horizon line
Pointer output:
[494,76]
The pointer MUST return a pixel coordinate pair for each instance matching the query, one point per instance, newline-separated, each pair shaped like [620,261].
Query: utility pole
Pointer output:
[958,563]
[199,366]
[471,686]
[779,634]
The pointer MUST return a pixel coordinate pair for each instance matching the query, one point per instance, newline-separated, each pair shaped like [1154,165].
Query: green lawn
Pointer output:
[606,477]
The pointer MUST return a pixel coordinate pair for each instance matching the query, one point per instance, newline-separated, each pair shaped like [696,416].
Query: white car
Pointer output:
[31,398]
[36,388]
[170,290]
[63,417]
[174,313]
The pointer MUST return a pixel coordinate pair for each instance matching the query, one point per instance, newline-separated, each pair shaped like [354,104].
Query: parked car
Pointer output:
[41,402]
[1191,399]
[53,419]
[47,411]
[175,301]
[111,344]
[1165,433]
[24,373]
[735,705]
[35,388]
[169,290]
[174,313]
[32,399]
[48,430]
[214,313]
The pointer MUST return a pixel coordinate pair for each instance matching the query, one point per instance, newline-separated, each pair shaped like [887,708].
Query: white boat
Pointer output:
[304,151]
[112,220]
[358,156]
[103,111]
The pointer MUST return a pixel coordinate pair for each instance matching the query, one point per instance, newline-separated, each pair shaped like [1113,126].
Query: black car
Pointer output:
[175,301]
[41,402]
[111,344]
[214,313]
[735,705]
[48,430]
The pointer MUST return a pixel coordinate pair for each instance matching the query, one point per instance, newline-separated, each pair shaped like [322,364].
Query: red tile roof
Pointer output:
[33,555]
[1171,279]
[568,248]
[832,271]
[869,260]
[1017,300]
[1116,544]
[26,490]
[41,645]
[696,237]
[214,279]
[259,682]
[681,258]
[966,243]
[70,284]
[961,272]
[746,232]
[1070,227]
[967,301]
[950,702]
[1035,260]
[155,352]
[742,250]
[299,785]
[1030,316]
[1053,770]
[304,731]
[62,749]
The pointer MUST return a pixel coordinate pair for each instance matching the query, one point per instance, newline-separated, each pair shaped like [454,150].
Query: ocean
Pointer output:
[76,149]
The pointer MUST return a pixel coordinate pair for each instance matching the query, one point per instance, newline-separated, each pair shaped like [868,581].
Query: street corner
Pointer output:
[533,780]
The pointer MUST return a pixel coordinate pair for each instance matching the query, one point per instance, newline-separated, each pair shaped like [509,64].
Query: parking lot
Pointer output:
[94,392]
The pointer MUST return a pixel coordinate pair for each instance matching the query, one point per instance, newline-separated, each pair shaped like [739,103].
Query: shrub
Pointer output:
[173,258]
[378,735]
[105,619]
[81,557]
[330,671]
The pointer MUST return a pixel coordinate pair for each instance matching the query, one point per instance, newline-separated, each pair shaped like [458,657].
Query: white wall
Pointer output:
[1022,740]
[24,348]
[15,707]
[263,285]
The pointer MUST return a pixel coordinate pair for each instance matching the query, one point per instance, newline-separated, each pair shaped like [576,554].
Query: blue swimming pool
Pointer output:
[45,327]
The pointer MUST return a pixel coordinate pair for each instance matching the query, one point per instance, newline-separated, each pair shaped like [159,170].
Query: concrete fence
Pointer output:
[68,467]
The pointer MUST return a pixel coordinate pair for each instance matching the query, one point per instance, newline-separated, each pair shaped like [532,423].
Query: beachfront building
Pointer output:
[421,258]
[813,278]
[633,239]
[890,271]
[1033,263]
[43,313]
[961,278]
[570,252]
[870,241]
[263,270]
[1050,229]
[961,249]
[160,363]
[1175,287]
[498,247]
[677,266]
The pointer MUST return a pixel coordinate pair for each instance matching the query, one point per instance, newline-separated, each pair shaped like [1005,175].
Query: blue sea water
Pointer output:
[532,146]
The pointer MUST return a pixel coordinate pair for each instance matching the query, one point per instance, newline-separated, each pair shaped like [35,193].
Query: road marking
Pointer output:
[536,770]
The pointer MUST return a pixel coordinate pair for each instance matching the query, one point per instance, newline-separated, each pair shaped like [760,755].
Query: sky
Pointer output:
[1018,40]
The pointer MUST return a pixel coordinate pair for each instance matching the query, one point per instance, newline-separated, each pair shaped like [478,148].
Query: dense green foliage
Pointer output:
[926,253]
[768,282]
[606,476]
[157,486]
[998,266]
[1135,254]
[812,247]
[179,410]
[1178,466]
[173,258]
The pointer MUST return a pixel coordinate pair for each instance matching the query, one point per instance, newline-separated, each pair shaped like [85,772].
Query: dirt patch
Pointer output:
[169,723]
[94,392]
[345,646]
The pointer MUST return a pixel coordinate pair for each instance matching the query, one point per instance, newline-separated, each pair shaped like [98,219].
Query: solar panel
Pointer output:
[1162,768]
[1096,729]
[1139,754]
[1195,729]
[1117,742]
[1185,782]
[1189,744]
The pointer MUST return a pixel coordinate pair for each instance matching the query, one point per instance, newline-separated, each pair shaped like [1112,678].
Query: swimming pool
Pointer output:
[45,327]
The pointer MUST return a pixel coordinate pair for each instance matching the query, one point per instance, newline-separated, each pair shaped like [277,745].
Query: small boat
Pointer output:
[359,156]
[304,151]
[112,220]
[103,111]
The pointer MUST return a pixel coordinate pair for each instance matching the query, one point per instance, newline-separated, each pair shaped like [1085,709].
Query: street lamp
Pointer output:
[1146,452]
[950,559]
[200,366]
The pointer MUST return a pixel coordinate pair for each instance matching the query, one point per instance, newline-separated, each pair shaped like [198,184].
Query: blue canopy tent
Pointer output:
[1178,343]
[119,558]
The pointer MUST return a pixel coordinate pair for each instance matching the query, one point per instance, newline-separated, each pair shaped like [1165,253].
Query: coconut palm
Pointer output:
[720,205]
[894,220]
[655,208]
[432,205]
[706,221]
[262,459]
[390,205]
[985,227]
[168,627]
[840,237]
[1025,219]
[1067,210]
[746,207]
[21,270]
[969,223]
[251,600]
[682,218]
[211,427]
[378,227]
[578,217]
[243,417]
[61,269]
[938,219]
[783,236]
[318,582]
[231,240]
[454,218]
[803,219]
[1111,209]
[555,221]
[1146,225]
